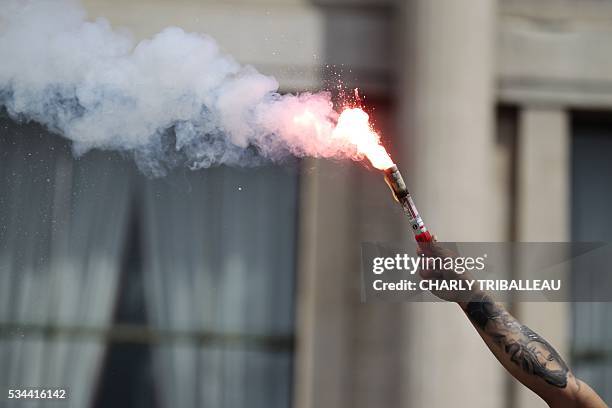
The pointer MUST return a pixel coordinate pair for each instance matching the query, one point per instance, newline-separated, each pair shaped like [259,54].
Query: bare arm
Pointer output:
[528,356]
[525,354]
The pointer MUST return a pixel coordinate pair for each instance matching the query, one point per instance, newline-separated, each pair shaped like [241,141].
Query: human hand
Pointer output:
[454,286]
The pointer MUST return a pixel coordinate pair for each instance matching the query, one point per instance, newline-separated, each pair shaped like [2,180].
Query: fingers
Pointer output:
[430,249]
[428,274]
[425,274]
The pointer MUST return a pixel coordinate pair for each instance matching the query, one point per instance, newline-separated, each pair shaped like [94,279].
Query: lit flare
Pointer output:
[354,125]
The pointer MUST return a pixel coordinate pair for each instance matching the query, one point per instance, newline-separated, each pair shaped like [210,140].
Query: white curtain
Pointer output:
[219,260]
[61,233]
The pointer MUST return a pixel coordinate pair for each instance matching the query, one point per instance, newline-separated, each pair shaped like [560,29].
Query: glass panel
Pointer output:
[591,221]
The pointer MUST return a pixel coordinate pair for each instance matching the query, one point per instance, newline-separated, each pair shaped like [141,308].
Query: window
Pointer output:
[591,221]
[193,273]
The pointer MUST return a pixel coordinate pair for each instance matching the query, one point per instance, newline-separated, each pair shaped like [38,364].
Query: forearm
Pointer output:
[528,356]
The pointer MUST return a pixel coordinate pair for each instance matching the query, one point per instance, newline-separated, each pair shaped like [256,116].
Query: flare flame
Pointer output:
[354,126]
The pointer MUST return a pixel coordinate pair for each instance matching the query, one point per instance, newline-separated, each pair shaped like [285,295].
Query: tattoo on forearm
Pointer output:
[525,347]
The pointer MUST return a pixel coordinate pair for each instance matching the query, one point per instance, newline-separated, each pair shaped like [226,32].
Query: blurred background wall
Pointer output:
[230,287]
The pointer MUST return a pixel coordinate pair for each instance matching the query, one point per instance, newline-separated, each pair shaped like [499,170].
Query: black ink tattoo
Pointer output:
[526,348]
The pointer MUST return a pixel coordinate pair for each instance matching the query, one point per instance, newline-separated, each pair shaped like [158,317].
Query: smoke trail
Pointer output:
[173,98]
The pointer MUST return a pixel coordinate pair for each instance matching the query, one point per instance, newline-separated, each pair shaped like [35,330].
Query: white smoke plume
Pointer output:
[173,98]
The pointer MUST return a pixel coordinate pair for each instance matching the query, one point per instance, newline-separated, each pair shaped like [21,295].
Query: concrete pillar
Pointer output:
[543,200]
[447,105]
[323,312]
[446,99]
[347,351]
[543,174]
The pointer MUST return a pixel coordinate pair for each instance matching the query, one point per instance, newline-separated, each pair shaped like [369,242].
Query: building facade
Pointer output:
[498,113]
